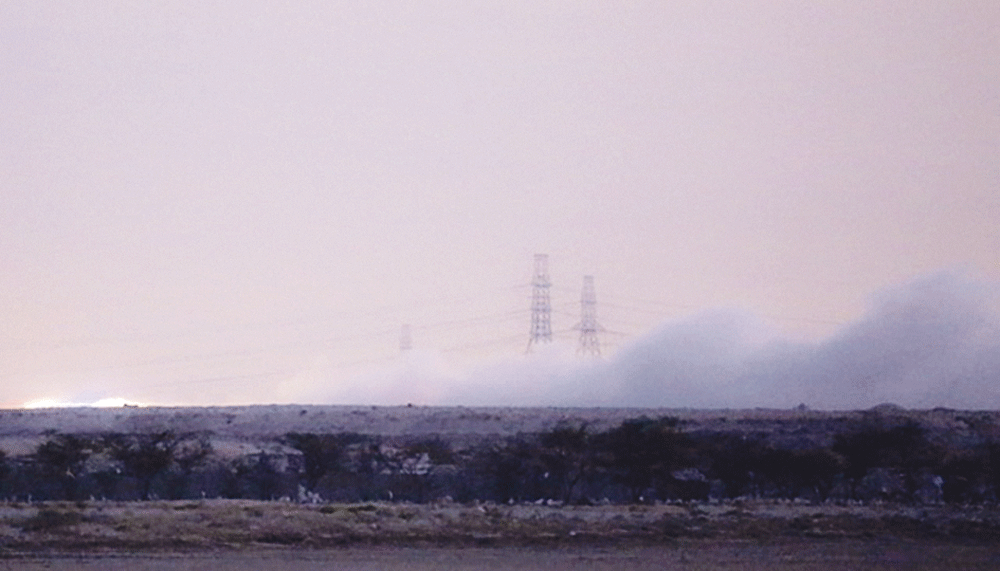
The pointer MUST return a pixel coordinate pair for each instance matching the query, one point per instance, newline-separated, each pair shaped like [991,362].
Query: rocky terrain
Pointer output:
[269,421]
[407,486]
[361,453]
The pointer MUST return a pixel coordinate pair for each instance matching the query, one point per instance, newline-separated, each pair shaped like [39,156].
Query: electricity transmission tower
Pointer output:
[588,326]
[541,305]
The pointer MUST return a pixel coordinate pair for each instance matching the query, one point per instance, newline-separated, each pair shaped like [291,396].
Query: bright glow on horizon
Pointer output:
[113,402]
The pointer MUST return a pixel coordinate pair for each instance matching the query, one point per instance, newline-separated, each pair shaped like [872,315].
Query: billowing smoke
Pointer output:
[931,342]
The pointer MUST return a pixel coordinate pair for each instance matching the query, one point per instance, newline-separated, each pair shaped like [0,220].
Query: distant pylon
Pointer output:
[588,326]
[541,306]
[405,340]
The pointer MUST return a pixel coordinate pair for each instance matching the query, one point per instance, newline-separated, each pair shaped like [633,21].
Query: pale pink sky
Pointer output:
[221,202]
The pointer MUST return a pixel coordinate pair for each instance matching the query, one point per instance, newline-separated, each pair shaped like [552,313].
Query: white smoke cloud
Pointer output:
[931,342]
[694,362]
[417,377]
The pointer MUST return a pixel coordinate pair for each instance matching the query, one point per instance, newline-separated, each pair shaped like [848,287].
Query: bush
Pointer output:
[61,461]
[903,448]
[4,470]
[642,454]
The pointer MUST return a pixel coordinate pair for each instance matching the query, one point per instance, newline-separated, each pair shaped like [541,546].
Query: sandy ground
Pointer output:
[783,555]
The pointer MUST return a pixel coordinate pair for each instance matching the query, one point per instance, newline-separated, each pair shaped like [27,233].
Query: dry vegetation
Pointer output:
[215,524]
[854,501]
[249,535]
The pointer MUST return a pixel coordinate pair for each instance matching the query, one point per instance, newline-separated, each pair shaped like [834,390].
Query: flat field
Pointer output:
[250,535]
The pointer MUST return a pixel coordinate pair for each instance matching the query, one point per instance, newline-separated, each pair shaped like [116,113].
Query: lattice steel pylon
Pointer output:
[588,326]
[541,305]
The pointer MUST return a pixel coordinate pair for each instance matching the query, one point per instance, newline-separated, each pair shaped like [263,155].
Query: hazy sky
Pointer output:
[219,203]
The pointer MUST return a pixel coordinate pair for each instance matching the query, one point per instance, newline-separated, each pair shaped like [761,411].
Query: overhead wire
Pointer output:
[312,339]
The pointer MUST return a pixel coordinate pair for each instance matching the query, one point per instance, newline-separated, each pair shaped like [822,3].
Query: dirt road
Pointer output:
[696,555]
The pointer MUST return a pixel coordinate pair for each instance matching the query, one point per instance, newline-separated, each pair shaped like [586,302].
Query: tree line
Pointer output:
[640,460]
